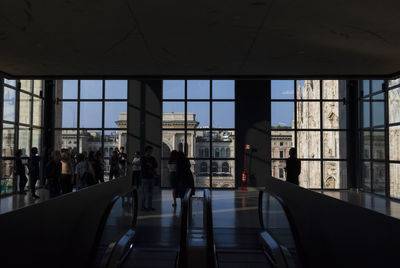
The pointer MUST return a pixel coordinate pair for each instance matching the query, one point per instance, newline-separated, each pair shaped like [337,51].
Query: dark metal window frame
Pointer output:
[187,130]
[321,129]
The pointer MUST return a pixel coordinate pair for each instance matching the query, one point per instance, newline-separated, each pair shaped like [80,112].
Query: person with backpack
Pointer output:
[84,172]
[53,173]
[34,170]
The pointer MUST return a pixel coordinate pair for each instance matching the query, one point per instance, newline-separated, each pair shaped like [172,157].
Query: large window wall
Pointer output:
[310,115]
[199,120]
[380,136]
[91,115]
[22,113]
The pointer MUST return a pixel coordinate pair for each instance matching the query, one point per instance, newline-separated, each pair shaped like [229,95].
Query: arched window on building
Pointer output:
[203,167]
[228,152]
[201,152]
[225,167]
[207,152]
[217,153]
[223,154]
[180,147]
[214,167]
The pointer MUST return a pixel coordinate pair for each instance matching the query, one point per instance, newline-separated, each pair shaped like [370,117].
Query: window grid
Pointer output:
[295,130]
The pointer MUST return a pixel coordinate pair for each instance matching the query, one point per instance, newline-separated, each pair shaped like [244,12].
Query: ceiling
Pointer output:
[210,38]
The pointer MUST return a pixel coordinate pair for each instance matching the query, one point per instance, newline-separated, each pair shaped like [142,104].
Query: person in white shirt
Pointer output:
[172,173]
[136,168]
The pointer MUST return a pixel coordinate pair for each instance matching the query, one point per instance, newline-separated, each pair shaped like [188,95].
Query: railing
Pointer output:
[208,225]
[185,215]
[115,233]
[280,233]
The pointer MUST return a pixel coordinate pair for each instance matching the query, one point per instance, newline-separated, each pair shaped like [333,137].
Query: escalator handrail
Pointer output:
[104,218]
[208,220]
[182,254]
[289,217]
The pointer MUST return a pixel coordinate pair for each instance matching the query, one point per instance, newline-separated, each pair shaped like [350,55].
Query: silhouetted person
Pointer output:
[98,166]
[184,176]
[34,170]
[136,167]
[67,172]
[293,167]
[53,173]
[172,161]
[114,165]
[122,157]
[84,172]
[148,167]
[20,171]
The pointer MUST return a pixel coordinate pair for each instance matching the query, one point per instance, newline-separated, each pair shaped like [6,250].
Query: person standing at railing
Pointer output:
[293,167]
[148,167]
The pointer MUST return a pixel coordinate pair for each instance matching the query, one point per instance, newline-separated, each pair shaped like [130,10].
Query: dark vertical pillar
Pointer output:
[144,117]
[48,119]
[251,128]
[353,136]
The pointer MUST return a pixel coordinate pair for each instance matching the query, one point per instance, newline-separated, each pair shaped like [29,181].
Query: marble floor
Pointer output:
[17,201]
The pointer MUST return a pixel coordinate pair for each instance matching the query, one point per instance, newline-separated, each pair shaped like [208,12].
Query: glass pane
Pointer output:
[10,82]
[91,89]
[165,174]
[223,114]
[335,144]
[308,89]
[116,89]
[394,105]
[308,115]
[223,89]
[365,87]
[223,176]
[199,143]
[282,115]
[201,179]
[378,113]
[115,114]
[378,145]
[376,85]
[37,87]
[278,169]
[66,139]
[223,145]
[26,85]
[172,140]
[173,89]
[9,104]
[37,139]
[198,114]
[366,114]
[70,89]
[24,108]
[282,89]
[112,142]
[310,176]
[395,82]
[69,115]
[7,175]
[366,147]
[198,89]
[308,144]
[395,180]
[366,176]
[379,176]
[334,115]
[281,142]
[173,114]
[335,174]
[380,96]
[90,141]
[23,141]
[333,89]
[37,111]
[8,140]
[394,142]
[90,114]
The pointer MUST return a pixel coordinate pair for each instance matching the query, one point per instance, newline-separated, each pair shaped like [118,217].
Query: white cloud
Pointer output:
[288,92]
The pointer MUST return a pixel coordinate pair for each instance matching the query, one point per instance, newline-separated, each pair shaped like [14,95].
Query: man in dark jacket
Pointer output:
[148,166]
[293,167]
